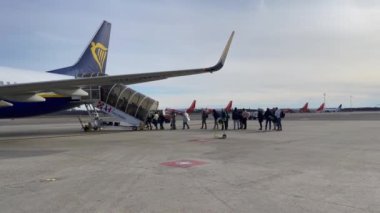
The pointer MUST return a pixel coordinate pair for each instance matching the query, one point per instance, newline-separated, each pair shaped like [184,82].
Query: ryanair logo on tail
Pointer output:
[99,52]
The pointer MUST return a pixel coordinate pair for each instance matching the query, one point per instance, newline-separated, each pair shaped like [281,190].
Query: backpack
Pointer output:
[282,115]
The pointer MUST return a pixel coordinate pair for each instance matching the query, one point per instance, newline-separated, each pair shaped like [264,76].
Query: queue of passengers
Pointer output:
[270,116]
[156,118]
[241,116]
[159,118]
[221,118]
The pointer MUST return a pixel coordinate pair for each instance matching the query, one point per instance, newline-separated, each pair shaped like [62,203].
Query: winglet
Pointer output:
[222,59]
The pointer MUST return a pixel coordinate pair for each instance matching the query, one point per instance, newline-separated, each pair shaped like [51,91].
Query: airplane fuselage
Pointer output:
[52,103]
[27,109]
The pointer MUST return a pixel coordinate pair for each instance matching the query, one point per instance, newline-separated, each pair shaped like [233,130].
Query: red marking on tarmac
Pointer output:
[183,163]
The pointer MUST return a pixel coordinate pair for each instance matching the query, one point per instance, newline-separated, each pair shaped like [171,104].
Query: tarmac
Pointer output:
[319,163]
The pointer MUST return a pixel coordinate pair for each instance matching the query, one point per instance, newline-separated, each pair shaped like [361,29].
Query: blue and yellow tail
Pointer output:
[94,59]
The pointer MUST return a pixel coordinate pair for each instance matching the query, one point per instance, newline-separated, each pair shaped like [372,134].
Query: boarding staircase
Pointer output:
[124,104]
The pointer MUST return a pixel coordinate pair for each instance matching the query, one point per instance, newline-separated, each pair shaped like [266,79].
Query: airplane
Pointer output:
[303,109]
[169,111]
[338,109]
[28,93]
[189,110]
[320,108]
[228,108]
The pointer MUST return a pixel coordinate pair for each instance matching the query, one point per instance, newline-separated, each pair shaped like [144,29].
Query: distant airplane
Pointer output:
[28,93]
[189,110]
[303,109]
[318,110]
[228,108]
[338,109]
[321,108]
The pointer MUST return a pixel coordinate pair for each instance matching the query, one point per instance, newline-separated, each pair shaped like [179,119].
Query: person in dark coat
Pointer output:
[161,120]
[235,118]
[148,122]
[268,120]
[204,118]
[173,120]
[260,118]
[216,116]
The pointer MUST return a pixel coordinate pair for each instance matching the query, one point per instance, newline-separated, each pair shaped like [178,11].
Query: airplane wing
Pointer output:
[47,86]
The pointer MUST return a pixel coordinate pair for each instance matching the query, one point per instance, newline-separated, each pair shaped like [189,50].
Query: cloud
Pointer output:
[284,52]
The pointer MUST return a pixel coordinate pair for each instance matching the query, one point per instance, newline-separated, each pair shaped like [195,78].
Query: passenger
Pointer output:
[223,118]
[173,120]
[161,120]
[148,122]
[240,116]
[204,118]
[216,116]
[274,118]
[235,118]
[278,114]
[260,118]
[245,115]
[227,119]
[268,120]
[186,119]
[155,119]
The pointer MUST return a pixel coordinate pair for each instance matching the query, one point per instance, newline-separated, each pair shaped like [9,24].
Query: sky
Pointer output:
[284,53]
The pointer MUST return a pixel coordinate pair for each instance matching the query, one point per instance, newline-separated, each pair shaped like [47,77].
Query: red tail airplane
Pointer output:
[303,109]
[321,108]
[189,110]
[228,108]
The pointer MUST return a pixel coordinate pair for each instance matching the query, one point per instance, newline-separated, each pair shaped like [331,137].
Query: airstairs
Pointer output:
[127,106]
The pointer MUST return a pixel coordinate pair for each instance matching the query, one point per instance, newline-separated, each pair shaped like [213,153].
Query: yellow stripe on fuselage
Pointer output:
[50,95]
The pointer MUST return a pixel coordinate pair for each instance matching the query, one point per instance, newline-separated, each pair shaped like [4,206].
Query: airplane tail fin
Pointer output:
[321,108]
[339,108]
[191,108]
[94,59]
[305,108]
[228,107]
